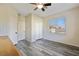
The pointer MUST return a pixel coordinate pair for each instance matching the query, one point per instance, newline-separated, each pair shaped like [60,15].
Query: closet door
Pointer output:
[21,27]
[37,28]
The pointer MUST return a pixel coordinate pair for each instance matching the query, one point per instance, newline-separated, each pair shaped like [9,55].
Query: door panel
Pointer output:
[21,28]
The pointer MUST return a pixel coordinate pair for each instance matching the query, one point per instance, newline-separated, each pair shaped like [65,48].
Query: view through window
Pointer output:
[57,25]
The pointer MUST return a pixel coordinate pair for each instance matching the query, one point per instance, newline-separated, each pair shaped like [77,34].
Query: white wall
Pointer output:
[3,21]
[13,17]
[71,36]
[8,22]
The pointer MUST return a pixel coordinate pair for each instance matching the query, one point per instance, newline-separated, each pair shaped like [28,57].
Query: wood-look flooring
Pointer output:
[7,48]
[44,47]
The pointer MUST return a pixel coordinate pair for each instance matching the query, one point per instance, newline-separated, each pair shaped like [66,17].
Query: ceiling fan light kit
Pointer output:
[40,6]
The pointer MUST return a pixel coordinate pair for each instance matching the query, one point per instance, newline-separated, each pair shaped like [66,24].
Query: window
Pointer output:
[57,25]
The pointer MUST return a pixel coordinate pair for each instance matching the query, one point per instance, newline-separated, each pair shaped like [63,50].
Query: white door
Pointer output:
[13,29]
[21,28]
[37,28]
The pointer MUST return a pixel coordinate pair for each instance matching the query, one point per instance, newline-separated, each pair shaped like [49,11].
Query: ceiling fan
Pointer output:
[41,6]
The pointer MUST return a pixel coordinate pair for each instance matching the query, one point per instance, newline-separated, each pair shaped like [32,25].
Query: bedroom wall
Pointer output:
[3,21]
[71,36]
[12,17]
[8,22]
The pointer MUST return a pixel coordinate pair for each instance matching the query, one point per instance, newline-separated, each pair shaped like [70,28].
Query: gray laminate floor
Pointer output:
[44,47]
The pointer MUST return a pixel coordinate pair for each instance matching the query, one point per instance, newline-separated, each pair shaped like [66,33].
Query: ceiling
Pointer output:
[25,8]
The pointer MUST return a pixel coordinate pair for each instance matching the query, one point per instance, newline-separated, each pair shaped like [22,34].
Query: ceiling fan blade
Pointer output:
[47,4]
[33,3]
[36,8]
[42,9]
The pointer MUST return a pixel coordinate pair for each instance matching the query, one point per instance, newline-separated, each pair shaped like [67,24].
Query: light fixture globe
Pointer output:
[40,6]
